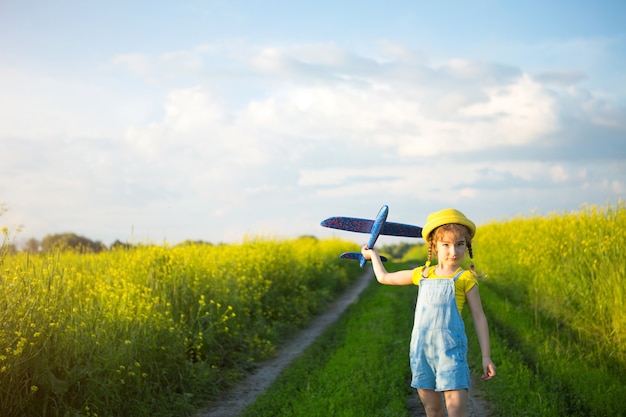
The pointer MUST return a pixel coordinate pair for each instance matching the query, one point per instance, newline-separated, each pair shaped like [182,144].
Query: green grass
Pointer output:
[358,367]
[516,390]
[542,366]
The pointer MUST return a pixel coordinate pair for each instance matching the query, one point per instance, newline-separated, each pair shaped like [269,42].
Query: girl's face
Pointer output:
[451,249]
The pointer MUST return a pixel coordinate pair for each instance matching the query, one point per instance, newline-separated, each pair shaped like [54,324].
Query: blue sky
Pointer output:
[218,120]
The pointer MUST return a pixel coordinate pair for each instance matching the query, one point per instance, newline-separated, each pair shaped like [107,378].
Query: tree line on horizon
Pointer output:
[73,241]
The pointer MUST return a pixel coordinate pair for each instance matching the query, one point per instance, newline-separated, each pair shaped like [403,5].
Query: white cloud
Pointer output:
[39,106]
[558,174]
[189,109]
[300,127]
[376,116]
[167,64]
[618,187]
[514,114]
[138,64]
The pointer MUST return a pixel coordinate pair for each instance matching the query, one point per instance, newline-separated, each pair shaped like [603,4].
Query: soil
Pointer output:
[245,393]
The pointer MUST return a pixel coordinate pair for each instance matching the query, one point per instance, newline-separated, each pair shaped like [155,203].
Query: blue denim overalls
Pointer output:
[438,353]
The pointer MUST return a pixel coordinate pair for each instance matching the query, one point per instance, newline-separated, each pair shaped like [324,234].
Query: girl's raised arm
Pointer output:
[403,277]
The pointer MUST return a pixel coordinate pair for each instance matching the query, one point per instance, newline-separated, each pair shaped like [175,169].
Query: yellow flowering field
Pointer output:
[567,265]
[555,292]
[152,330]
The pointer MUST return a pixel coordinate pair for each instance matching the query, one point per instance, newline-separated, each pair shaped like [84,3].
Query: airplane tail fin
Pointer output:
[357,256]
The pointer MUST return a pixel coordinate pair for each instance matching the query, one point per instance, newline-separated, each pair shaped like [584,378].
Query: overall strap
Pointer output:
[458,275]
[425,271]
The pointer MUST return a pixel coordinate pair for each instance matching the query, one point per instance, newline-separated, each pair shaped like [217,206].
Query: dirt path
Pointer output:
[235,401]
[244,394]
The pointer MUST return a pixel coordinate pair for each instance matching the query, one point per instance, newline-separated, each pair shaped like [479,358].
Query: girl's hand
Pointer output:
[489,369]
[367,252]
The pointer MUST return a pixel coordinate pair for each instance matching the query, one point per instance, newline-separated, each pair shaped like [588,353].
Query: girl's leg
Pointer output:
[432,402]
[456,402]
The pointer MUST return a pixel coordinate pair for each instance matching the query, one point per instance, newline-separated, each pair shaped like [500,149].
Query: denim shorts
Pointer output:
[439,361]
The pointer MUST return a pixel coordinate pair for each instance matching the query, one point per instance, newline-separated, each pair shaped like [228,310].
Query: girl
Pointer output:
[438,352]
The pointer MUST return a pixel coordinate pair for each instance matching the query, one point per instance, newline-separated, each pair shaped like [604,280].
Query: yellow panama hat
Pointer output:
[446,216]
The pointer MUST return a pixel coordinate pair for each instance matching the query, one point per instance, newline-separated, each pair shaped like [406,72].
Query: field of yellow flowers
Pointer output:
[555,293]
[568,266]
[152,330]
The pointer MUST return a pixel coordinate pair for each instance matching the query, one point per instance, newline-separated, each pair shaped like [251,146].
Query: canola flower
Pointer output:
[568,266]
[94,334]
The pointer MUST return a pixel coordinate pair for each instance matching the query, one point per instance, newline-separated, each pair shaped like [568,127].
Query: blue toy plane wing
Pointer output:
[353,224]
[357,256]
[399,229]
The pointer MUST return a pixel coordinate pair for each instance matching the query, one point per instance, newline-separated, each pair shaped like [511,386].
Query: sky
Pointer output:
[158,122]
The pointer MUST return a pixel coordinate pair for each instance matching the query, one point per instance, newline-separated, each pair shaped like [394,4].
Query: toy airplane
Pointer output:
[376,227]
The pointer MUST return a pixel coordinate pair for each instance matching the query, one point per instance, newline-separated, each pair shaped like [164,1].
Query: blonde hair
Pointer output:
[458,230]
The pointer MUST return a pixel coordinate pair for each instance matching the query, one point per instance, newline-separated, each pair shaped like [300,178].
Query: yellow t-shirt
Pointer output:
[463,284]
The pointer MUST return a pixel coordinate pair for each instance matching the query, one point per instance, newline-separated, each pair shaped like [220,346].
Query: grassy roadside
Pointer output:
[555,301]
[516,390]
[539,371]
[358,367]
